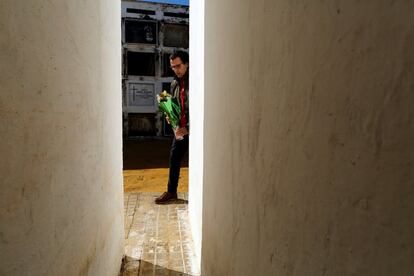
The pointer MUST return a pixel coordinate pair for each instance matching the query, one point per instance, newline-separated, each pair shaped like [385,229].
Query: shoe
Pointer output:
[166,198]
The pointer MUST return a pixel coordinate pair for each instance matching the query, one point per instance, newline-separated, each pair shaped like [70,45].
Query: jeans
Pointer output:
[178,149]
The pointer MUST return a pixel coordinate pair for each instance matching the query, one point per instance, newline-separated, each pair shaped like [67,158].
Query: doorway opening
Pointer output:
[158,237]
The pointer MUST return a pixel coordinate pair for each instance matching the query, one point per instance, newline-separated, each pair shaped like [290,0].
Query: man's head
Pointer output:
[179,63]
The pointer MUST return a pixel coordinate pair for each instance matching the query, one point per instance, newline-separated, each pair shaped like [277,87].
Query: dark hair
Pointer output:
[180,54]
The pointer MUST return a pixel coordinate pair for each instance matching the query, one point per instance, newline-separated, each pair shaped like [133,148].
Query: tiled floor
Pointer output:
[157,237]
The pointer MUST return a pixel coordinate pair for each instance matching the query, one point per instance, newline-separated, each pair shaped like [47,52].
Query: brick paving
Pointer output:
[157,237]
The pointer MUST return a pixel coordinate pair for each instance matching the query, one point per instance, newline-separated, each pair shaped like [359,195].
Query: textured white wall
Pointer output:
[308,138]
[196,156]
[61,194]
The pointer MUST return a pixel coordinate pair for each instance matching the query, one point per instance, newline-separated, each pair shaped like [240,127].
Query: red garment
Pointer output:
[183,118]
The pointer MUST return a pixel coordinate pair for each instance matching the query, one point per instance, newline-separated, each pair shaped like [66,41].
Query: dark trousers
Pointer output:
[178,149]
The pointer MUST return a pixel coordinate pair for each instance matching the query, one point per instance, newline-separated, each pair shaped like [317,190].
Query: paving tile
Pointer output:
[157,237]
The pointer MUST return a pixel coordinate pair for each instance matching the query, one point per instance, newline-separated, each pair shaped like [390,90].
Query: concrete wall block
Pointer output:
[61,207]
[308,138]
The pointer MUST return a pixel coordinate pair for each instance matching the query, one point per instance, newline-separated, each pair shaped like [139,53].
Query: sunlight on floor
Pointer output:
[152,180]
[157,237]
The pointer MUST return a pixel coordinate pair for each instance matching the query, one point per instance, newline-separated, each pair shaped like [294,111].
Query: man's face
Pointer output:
[178,67]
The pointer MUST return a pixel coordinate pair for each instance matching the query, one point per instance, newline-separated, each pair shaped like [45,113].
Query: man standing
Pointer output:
[179,89]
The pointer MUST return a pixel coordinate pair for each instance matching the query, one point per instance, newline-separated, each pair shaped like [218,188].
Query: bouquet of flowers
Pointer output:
[171,108]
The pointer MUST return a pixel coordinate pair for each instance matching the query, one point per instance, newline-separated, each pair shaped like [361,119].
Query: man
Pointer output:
[179,90]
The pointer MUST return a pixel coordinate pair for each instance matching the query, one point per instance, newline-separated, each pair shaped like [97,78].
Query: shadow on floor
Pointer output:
[134,267]
[148,153]
[147,269]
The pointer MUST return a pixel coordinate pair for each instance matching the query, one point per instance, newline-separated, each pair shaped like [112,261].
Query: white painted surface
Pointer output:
[308,138]
[196,154]
[61,200]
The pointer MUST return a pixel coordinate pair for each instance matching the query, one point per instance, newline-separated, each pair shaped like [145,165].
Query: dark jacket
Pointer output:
[175,92]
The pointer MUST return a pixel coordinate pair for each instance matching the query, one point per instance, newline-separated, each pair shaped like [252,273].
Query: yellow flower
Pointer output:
[163,96]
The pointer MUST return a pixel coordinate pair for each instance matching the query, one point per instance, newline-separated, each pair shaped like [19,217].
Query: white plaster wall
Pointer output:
[308,138]
[61,200]
[196,156]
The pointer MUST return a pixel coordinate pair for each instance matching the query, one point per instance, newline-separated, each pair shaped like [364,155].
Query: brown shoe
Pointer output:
[166,198]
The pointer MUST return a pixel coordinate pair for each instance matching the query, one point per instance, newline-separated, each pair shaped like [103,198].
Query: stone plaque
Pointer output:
[141,94]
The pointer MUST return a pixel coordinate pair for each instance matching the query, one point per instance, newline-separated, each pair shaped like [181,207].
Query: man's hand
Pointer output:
[167,119]
[180,132]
